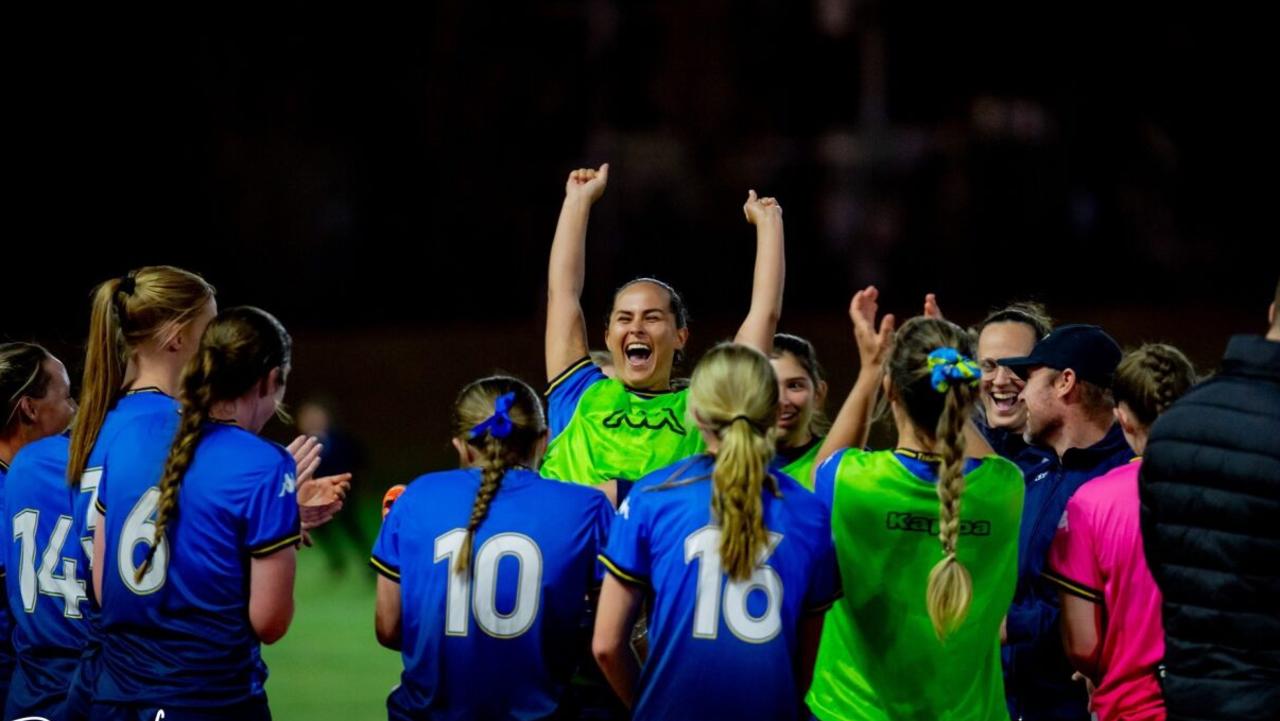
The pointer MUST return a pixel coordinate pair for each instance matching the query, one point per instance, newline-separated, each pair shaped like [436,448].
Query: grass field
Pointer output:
[329,666]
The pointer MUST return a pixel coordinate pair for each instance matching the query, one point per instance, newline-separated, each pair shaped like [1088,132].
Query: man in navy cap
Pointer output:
[1072,437]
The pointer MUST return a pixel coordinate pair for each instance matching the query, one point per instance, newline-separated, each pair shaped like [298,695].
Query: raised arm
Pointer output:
[566,339]
[771,270]
[853,423]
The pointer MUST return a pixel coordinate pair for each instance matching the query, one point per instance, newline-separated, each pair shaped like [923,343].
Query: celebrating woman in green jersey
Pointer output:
[618,429]
[802,390]
[927,578]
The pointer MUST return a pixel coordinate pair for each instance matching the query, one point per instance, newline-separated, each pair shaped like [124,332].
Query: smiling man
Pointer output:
[1072,437]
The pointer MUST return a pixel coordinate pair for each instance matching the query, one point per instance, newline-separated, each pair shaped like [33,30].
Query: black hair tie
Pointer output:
[128,284]
[748,421]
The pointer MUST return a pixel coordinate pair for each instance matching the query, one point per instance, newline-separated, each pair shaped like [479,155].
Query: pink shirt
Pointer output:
[1097,555]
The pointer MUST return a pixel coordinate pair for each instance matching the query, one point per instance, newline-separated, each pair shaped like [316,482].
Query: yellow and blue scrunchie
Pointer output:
[947,365]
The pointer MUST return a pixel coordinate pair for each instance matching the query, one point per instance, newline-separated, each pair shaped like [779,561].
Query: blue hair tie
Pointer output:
[499,424]
[947,364]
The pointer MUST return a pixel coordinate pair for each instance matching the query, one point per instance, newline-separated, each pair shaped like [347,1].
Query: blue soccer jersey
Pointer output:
[720,649]
[49,528]
[47,578]
[181,636]
[501,641]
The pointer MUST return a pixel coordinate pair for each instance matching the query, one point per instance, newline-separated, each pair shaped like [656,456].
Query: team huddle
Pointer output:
[631,545]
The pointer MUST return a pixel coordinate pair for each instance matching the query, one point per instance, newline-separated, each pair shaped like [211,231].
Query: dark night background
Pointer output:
[387,181]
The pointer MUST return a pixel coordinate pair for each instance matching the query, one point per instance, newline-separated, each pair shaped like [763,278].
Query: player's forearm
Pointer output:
[566,270]
[766,286]
[621,668]
[853,423]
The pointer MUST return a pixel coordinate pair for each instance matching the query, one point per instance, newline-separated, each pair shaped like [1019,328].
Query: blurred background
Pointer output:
[387,182]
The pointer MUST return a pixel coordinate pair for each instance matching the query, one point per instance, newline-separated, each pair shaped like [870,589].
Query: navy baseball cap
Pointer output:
[1085,349]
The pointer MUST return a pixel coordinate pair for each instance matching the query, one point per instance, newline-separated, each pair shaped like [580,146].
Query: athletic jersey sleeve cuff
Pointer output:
[99,506]
[384,568]
[824,607]
[574,367]
[266,549]
[1072,587]
[622,575]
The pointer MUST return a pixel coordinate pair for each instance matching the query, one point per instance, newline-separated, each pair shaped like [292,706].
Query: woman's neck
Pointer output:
[163,373]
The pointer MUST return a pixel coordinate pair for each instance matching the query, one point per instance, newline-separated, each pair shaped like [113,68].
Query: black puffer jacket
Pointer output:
[1210,489]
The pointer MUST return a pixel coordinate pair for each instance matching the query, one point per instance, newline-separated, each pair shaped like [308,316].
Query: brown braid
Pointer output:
[474,406]
[196,402]
[239,349]
[1149,379]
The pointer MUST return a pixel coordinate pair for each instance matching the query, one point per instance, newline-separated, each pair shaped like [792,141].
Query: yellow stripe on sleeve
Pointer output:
[564,375]
[621,574]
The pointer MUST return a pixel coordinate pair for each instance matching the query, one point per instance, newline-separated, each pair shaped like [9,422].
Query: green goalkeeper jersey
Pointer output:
[879,657]
[602,430]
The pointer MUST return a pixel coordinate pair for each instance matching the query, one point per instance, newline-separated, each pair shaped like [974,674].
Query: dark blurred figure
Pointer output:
[1210,490]
[342,454]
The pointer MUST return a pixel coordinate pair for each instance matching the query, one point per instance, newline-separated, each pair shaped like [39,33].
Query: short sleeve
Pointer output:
[601,519]
[564,392]
[385,557]
[271,517]
[626,553]
[1073,558]
[824,583]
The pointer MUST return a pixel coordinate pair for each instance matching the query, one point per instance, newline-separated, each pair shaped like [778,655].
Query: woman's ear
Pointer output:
[820,394]
[466,455]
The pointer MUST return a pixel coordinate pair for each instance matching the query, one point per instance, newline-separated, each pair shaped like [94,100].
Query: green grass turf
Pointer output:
[329,665]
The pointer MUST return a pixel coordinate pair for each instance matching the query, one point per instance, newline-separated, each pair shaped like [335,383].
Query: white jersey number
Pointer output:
[46,579]
[703,546]
[482,600]
[140,529]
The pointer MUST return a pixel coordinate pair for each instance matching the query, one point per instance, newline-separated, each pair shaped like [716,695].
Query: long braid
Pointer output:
[493,468]
[499,450]
[950,589]
[196,401]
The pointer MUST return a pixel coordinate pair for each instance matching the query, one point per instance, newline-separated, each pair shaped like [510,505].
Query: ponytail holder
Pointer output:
[128,283]
[753,424]
[947,365]
[499,424]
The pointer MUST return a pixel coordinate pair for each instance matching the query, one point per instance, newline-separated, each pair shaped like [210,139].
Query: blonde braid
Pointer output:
[950,588]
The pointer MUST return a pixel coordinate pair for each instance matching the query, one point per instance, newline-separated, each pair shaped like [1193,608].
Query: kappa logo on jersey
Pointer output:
[929,524]
[638,419]
[290,485]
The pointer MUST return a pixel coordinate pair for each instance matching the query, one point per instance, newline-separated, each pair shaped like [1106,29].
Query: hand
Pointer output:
[873,346]
[931,309]
[306,456]
[320,499]
[760,210]
[587,184]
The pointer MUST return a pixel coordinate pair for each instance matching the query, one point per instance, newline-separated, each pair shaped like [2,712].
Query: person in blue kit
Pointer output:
[143,327]
[485,571]
[194,556]
[735,557]
[1072,437]
[35,403]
